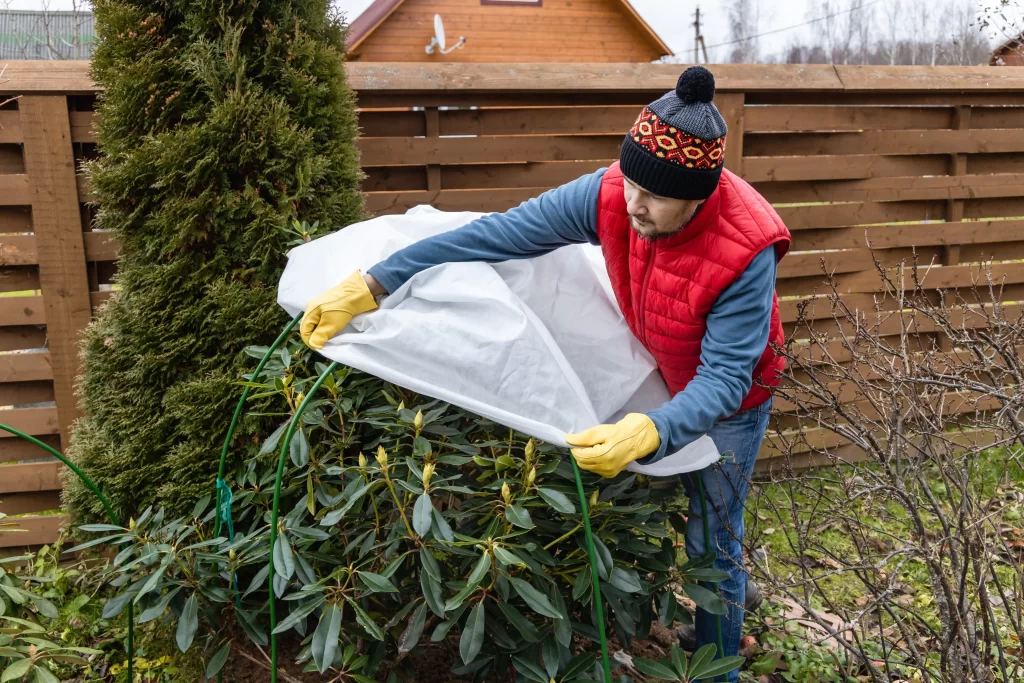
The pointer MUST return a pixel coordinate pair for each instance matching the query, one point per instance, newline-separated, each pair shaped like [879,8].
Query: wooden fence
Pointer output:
[911,157]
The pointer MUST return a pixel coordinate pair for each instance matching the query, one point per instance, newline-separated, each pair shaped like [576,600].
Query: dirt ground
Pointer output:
[432,662]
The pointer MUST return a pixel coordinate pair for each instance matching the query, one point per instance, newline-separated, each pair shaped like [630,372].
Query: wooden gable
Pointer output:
[505,31]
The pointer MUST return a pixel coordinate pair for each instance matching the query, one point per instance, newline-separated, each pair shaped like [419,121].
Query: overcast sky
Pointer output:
[672,19]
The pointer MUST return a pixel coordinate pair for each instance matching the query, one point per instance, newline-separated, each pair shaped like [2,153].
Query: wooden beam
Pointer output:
[31,421]
[57,222]
[36,530]
[19,449]
[730,105]
[37,476]
[36,501]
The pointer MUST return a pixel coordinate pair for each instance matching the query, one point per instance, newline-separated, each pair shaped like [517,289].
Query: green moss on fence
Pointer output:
[220,123]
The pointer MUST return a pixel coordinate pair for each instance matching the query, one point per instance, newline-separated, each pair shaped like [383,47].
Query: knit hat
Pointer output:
[676,148]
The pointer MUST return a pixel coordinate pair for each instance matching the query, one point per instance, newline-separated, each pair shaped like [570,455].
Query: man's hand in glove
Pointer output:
[329,313]
[607,449]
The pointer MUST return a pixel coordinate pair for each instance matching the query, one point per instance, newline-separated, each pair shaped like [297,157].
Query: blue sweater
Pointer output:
[737,326]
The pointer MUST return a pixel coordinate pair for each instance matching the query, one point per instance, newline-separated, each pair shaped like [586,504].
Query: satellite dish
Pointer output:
[438,42]
[439,32]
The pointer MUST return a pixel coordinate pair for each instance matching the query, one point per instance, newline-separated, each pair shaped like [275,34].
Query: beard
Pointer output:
[647,230]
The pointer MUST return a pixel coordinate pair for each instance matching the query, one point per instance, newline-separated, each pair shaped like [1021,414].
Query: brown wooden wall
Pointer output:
[557,30]
[920,158]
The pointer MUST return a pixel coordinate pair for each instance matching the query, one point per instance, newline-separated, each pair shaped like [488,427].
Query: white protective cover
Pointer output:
[538,344]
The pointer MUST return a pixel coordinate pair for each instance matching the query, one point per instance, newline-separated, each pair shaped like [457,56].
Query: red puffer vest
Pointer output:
[665,288]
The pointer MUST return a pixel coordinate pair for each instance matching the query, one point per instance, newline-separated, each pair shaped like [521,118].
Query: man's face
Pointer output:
[654,217]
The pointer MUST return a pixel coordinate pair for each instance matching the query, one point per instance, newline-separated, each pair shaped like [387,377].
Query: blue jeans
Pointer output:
[726,483]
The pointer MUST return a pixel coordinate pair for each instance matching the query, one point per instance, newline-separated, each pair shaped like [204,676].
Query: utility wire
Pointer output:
[788,28]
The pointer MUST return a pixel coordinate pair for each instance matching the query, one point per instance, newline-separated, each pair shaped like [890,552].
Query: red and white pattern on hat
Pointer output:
[675,145]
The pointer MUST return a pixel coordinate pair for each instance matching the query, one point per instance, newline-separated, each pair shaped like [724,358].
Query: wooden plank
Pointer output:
[97,299]
[389,124]
[41,476]
[450,200]
[1009,207]
[19,449]
[893,98]
[22,503]
[18,250]
[22,310]
[390,76]
[903,188]
[532,174]
[10,126]
[927,78]
[100,245]
[392,179]
[542,120]
[909,235]
[730,105]
[37,530]
[50,163]
[860,213]
[851,167]
[24,76]
[26,367]
[487,149]
[885,142]
[14,190]
[792,118]
[21,393]
[82,126]
[15,219]
[18,338]
[32,421]
[995,163]
[997,117]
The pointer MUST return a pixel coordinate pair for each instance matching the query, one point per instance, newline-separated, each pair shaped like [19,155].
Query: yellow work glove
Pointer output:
[607,449]
[330,312]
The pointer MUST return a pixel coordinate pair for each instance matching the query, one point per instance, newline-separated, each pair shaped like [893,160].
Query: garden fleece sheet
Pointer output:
[538,345]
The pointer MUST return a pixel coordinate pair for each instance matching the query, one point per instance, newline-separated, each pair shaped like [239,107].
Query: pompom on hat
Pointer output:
[676,148]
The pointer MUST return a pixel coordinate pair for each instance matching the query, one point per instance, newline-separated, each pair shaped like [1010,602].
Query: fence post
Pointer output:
[730,105]
[57,223]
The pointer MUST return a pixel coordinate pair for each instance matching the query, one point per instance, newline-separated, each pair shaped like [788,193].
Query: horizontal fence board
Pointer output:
[22,310]
[884,142]
[487,149]
[450,200]
[18,250]
[15,219]
[911,234]
[791,118]
[14,190]
[40,476]
[22,503]
[906,99]
[19,449]
[18,338]
[19,278]
[20,393]
[767,172]
[539,121]
[32,421]
[25,367]
[35,530]
[859,213]
[100,246]
[904,188]
[82,126]
[10,127]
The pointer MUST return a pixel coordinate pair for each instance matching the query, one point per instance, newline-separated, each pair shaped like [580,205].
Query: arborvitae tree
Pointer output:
[220,123]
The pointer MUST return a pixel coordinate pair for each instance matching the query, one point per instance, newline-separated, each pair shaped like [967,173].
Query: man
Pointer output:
[691,251]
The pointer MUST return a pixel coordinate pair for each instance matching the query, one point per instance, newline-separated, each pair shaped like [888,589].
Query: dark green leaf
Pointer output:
[422,514]
[537,601]
[529,670]
[441,630]
[625,580]
[521,623]
[366,621]
[157,609]
[518,516]
[679,660]
[654,669]
[718,667]
[411,635]
[765,664]
[325,638]
[507,557]
[284,558]
[271,443]
[377,583]
[710,574]
[480,570]
[441,527]
[705,599]
[698,659]
[584,580]
[557,500]
[431,588]
[429,563]
[218,660]
[188,624]
[420,448]
[299,614]
[549,655]
[298,449]
[616,490]
[251,627]
[116,605]
[472,634]
[578,665]
[563,629]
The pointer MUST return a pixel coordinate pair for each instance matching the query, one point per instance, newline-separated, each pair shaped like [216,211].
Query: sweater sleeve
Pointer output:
[564,215]
[736,337]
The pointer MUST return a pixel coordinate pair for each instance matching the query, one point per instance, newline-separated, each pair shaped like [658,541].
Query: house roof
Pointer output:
[375,15]
[1011,45]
